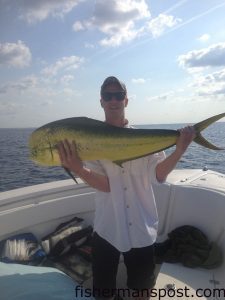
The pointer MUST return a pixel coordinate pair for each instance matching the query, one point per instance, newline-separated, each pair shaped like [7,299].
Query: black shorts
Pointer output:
[140,264]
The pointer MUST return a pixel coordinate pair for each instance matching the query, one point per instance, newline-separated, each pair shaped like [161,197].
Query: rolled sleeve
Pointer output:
[154,160]
[95,166]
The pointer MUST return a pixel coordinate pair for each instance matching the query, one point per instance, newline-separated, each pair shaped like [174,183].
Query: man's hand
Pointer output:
[69,157]
[70,160]
[187,135]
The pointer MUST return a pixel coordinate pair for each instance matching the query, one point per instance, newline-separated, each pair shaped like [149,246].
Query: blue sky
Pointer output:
[54,56]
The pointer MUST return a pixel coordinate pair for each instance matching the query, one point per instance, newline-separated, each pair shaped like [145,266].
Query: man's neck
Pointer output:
[120,122]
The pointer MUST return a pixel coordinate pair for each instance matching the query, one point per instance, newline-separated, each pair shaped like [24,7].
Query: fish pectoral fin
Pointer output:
[70,174]
[119,162]
[203,142]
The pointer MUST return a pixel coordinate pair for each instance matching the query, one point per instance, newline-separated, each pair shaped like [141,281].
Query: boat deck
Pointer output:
[193,197]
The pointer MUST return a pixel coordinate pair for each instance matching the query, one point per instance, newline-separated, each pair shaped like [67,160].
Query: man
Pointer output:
[126,217]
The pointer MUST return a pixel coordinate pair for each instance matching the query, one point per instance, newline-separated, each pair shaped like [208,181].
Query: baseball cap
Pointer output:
[111,80]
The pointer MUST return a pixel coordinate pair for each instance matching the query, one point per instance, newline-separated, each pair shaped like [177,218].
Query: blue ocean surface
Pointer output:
[17,170]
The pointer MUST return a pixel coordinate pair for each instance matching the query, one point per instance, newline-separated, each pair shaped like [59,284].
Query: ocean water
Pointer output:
[17,170]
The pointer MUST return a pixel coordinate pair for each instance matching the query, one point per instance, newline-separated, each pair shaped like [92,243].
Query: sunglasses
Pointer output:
[119,96]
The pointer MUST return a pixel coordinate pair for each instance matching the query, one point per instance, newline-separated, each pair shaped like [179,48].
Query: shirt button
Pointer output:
[125,188]
[123,171]
[128,206]
[130,223]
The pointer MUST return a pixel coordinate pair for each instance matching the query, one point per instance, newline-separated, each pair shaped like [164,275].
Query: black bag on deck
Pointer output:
[190,246]
[69,249]
[73,233]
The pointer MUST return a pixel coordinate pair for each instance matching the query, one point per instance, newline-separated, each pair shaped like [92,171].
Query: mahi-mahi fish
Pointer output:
[97,140]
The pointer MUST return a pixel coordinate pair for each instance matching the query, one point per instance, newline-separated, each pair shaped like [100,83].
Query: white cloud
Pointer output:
[89,46]
[35,11]
[110,15]
[10,108]
[65,64]
[213,56]
[27,87]
[124,21]
[46,103]
[197,62]
[78,26]
[117,20]
[16,55]
[138,80]
[161,97]
[124,34]
[65,80]
[204,38]
[21,85]
[158,25]
[211,84]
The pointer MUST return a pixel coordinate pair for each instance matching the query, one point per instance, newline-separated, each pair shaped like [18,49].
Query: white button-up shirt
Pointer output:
[127,216]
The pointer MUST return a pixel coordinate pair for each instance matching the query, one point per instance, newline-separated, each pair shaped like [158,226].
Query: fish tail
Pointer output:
[201,126]
[203,142]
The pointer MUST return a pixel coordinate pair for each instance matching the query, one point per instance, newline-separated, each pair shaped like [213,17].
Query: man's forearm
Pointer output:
[187,135]
[166,166]
[95,180]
